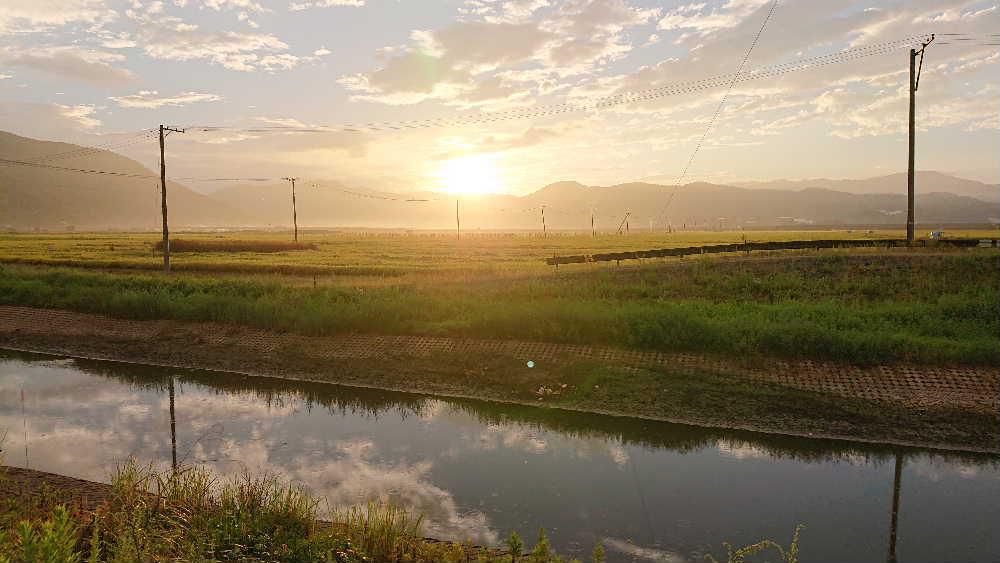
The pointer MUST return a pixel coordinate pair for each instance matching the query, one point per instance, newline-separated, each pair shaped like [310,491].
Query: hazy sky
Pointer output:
[89,70]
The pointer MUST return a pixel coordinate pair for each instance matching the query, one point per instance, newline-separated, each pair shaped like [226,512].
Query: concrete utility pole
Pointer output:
[894,524]
[164,131]
[173,428]
[910,172]
[295,216]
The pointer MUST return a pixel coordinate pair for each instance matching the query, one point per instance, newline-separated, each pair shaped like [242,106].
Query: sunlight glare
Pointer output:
[473,174]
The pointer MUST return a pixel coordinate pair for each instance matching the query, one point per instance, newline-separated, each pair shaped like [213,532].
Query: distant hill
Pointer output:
[925,182]
[43,198]
[59,200]
[712,205]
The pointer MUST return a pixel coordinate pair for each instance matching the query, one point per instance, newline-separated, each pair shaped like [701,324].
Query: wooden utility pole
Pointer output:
[164,131]
[593,232]
[295,216]
[544,231]
[910,171]
[458,222]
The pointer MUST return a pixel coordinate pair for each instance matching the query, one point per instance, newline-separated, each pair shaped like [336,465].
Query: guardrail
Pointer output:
[751,246]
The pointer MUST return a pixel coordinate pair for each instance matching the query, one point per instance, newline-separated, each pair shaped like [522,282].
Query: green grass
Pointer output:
[861,307]
[191,515]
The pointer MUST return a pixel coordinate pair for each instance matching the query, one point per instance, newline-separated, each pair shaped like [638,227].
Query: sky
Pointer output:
[101,71]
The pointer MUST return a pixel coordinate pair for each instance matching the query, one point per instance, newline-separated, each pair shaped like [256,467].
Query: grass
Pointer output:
[228,245]
[191,515]
[862,307]
[375,255]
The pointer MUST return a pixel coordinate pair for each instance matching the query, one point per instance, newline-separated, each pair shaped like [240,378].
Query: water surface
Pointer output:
[477,470]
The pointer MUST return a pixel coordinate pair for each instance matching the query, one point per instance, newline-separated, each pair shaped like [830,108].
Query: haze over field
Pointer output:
[103,71]
[34,197]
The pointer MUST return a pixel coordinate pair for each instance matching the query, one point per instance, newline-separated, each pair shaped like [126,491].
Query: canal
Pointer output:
[649,491]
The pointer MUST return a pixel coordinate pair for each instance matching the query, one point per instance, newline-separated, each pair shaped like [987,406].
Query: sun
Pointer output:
[473,174]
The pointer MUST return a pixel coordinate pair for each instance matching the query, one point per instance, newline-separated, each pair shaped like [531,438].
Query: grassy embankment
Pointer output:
[930,306]
[190,515]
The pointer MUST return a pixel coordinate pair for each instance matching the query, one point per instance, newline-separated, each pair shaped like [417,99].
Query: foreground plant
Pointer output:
[191,515]
[790,555]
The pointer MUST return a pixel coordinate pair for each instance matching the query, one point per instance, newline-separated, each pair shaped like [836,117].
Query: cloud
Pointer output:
[32,15]
[245,5]
[496,11]
[479,60]
[54,121]
[151,99]
[171,38]
[704,20]
[299,6]
[89,66]
[81,114]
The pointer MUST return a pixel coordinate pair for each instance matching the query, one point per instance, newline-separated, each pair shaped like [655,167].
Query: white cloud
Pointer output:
[705,20]
[34,15]
[321,52]
[152,99]
[454,64]
[70,62]
[170,38]
[245,5]
[299,6]
[81,114]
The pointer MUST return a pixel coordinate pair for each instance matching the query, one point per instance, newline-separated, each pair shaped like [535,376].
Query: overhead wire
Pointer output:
[140,136]
[770,71]
[11,162]
[718,109]
[731,79]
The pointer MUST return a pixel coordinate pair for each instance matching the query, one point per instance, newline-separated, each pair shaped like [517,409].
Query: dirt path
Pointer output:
[968,388]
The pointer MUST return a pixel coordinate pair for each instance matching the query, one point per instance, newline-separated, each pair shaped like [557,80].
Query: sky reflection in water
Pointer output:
[477,471]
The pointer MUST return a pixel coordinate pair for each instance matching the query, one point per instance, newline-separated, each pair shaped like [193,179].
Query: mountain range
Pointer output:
[41,197]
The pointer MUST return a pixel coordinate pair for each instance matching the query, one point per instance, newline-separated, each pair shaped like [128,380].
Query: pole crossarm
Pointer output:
[920,67]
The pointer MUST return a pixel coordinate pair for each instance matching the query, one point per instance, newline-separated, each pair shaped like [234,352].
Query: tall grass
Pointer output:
[191,515]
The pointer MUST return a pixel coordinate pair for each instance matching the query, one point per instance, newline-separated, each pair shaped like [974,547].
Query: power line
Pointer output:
[555,109]
[718,110]
[770,71]
[9,162]
[141,136]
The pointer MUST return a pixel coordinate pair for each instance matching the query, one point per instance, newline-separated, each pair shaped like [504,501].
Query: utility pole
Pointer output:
[894,517]
[458,222]
[173,428]
[910,172]
[544,231]
[295,216]
[164,131]
[624,222]
[593,232]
